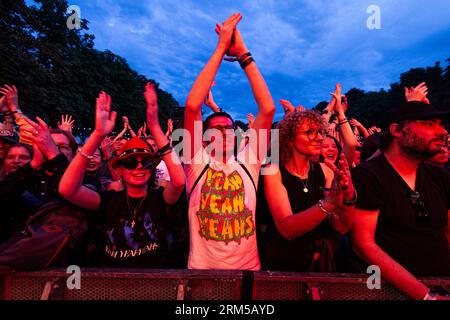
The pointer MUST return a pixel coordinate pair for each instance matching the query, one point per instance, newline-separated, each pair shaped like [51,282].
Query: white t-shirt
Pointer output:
[222,213]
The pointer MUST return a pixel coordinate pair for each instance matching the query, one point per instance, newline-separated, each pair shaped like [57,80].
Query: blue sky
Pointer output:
[302,47]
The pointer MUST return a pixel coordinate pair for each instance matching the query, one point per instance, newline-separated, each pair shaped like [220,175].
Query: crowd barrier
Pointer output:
[120,284]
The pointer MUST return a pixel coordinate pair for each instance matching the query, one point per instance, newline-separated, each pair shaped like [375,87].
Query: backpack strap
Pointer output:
[248,173]
[196,181]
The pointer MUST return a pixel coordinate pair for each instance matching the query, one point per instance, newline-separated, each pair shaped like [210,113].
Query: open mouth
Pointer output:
[139,175]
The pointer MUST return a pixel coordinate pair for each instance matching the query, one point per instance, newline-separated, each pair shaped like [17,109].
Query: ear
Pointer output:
[395,130]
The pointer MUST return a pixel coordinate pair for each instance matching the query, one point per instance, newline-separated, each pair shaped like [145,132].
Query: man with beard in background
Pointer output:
[401,221]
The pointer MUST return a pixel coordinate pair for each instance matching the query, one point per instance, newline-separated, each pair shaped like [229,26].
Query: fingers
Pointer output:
[330,165]
[113,116]
[42,124]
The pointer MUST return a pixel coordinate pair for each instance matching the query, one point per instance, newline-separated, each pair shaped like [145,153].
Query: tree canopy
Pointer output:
[58,71]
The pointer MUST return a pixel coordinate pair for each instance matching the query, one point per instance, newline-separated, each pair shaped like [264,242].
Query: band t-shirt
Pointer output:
[418,245]
[133,241]
[222,213]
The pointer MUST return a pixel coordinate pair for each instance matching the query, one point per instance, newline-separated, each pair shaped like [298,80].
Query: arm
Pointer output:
[363,241]
[71,187]
[261,93]
[361,129]
[203,83]
[448,229]
[177,178]
[348,138]
[292,225]
[209,101]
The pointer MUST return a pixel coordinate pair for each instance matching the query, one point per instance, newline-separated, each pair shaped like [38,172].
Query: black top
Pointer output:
[278,253]
[143,245]
[24,191]
[420,246]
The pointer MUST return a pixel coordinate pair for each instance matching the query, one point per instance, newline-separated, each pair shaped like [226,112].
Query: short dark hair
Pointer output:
[215,115]
[20,145]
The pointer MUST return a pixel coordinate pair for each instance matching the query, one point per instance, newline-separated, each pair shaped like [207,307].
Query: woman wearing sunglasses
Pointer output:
[309,201]
[133,219]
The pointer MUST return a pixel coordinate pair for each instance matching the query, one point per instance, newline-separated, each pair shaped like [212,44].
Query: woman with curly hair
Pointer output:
[309,201]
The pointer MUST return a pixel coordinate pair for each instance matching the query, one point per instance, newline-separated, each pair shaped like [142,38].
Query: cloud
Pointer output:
[302,47]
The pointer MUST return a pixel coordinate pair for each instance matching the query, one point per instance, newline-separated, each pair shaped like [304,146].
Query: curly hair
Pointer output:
[288,129]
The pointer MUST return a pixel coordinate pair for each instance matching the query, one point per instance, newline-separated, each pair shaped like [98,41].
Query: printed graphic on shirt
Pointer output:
[138,240]
[223,215]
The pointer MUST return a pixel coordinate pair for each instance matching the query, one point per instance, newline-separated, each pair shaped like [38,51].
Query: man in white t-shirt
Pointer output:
[221,187]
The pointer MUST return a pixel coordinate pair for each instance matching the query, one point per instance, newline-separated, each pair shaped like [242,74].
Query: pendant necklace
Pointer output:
[135,210]
[305,185]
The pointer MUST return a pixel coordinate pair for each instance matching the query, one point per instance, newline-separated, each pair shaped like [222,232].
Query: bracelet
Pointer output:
[246,62]
[165,150]
[84,154]
[240,58]
[321,206]
[351,202]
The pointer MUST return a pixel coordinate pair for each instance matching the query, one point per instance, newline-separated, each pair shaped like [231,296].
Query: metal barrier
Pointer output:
[114,284]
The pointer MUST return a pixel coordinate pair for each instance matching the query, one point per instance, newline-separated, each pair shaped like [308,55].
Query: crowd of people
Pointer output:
[340,198]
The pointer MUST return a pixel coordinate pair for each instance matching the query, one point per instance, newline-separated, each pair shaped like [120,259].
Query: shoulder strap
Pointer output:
[196,181]
[248,173]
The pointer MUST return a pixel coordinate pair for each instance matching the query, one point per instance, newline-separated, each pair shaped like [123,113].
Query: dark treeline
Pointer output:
[58,71]
[370,107]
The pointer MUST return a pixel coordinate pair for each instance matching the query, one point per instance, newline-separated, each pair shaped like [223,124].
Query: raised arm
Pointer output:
[261,93]
[203,83]
[177,179]
[348,138]
[71,187]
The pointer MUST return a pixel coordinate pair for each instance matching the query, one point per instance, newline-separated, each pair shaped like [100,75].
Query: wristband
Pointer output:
[246,62]
[164,150]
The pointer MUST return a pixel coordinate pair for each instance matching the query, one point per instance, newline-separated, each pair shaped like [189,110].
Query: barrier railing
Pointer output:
[151,284]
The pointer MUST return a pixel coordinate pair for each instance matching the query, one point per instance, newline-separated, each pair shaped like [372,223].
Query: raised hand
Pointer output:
[226,30]
[66,123]
[41,137]
[11,97]
[418,93]
[105,119]
[151,99]
[287,106]
[342,186]
[337,95]
[3,106]
[106,146]
[355,123]
[251,120]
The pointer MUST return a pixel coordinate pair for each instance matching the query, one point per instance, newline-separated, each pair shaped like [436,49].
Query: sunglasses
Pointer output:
[422,212]
[133,163]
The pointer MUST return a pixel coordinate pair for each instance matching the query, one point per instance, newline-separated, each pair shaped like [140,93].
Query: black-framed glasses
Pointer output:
[132,163]
[422,212]
[313,133]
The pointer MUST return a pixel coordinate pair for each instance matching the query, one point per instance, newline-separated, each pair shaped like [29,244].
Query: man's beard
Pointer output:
[416,147]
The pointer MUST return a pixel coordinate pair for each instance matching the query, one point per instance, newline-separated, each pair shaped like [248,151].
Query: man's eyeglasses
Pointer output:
[132,163]
[422,212]
[313,133]
[63,146]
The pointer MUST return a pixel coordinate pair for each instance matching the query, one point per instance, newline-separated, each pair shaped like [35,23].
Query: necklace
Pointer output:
[305,185]
[135,210]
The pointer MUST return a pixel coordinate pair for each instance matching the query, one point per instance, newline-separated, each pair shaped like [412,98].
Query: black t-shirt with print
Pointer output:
[142,244]
[421,247]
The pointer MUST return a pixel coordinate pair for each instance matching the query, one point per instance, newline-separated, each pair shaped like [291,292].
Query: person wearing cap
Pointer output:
[133,219]
[401,220]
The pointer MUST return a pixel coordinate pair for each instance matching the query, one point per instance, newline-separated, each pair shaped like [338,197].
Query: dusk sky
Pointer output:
[302,47]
